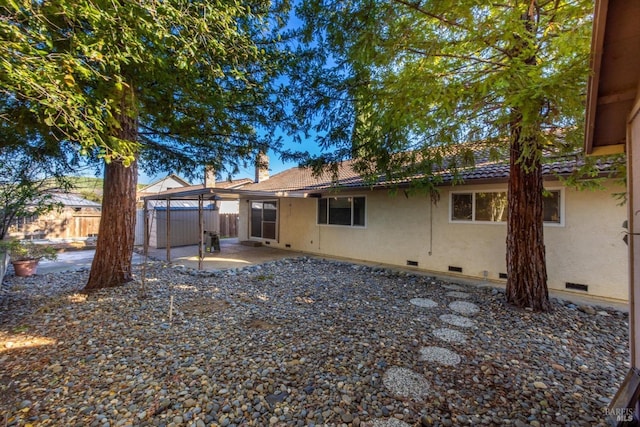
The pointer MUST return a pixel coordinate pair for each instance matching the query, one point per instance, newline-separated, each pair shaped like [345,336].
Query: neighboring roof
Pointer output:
[613,85]
[234,183]
[162,184]
[70,200]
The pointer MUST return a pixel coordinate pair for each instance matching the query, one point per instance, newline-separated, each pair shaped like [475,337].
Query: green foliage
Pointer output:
[196,76]
[395,84]
[27,250]
[28,176]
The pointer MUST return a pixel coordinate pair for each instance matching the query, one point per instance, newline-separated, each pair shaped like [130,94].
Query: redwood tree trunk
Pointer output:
[112,261]
[526,263]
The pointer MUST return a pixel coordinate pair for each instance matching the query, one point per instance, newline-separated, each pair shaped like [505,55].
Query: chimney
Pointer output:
[209,176]
[262,167]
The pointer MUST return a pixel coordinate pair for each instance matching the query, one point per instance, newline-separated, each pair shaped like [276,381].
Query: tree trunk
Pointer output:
[112,261]
[526,263]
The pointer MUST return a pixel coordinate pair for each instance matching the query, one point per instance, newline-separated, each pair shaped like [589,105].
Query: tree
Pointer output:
[170,84]
[27,183]
[397,85]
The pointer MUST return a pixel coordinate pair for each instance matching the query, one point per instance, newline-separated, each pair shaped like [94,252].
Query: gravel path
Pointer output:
[299,342]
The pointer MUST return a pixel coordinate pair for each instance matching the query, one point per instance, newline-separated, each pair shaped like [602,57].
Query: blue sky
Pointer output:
[275,165]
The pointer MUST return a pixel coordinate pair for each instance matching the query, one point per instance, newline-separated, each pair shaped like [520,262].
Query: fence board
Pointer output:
[229,225]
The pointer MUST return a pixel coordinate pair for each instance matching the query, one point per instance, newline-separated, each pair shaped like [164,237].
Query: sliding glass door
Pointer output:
[264,219]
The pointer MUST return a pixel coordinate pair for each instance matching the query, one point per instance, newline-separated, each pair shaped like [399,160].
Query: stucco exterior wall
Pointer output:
[586,249]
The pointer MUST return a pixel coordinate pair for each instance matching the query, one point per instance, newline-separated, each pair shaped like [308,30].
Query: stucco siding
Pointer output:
[587,248]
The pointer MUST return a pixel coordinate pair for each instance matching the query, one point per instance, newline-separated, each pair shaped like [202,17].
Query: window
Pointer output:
[491,206]
[551,207]
[348,211]
[21,223]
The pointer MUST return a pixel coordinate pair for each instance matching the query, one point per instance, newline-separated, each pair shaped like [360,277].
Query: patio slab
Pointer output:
[232,254]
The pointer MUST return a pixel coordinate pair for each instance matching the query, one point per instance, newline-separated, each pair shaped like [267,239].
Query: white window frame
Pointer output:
[560,190]
[327,224]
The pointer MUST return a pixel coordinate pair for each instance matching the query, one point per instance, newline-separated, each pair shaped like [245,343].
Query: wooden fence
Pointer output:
[229,225]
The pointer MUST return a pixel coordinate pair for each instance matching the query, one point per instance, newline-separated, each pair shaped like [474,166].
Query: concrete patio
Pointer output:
[232,254]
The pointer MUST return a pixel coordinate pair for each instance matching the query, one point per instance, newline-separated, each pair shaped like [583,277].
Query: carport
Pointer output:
[202,195]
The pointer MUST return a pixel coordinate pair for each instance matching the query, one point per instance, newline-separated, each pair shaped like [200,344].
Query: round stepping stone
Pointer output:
[464,307]
[439,355]
[455,320]
[453,287]
[456,294]
[450,335]
[391,422]
[405,382]
[424,302]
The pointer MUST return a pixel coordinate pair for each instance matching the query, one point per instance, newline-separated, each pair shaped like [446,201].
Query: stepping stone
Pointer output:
[439,355]
[391,422]
[450,335]
[424,302]
[455,320]
[456,294]
[453,287]
[405,382]
[464,307]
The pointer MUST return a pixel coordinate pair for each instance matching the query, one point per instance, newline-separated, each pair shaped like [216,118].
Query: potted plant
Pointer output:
[25,255]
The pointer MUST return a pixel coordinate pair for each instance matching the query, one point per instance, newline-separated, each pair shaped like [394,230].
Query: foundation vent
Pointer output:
[455,269]
[576,286]
[412,263]
[503,275]
[287,245]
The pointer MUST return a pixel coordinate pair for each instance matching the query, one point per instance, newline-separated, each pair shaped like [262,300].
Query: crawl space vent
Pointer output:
[576,286]
[455,269]
[412,263]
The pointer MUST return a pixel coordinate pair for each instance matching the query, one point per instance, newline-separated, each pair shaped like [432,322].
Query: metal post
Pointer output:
[168,230]
[201,228]
[147,232]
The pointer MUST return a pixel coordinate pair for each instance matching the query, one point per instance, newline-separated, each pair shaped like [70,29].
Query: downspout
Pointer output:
[430,225]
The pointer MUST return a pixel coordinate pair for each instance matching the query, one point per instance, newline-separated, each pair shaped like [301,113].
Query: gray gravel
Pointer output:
[301,342]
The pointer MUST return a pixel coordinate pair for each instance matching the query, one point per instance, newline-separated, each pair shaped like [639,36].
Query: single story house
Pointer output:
[463,233]
[77,218]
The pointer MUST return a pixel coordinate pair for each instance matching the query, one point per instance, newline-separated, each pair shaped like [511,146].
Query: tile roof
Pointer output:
[485,169]
[234,183]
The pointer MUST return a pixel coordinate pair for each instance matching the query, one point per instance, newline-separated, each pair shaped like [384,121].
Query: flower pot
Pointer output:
[25,268]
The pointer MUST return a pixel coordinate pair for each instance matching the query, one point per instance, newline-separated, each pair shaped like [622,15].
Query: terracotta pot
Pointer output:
[25,268]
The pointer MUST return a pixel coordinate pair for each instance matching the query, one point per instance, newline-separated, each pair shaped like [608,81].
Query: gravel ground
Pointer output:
[299,342]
